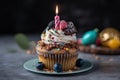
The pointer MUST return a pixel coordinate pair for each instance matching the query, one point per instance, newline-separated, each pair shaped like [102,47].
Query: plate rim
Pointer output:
[57,73]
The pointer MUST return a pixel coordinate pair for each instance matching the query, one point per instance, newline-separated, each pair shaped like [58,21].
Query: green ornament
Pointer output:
[22,41]
[90,37]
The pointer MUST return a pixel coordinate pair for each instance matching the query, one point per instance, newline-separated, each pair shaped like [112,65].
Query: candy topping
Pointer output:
[70,29]
[66,49]
[63,24]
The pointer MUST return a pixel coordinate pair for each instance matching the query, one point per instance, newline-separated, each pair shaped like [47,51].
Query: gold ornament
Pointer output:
[113,43]
[110,37]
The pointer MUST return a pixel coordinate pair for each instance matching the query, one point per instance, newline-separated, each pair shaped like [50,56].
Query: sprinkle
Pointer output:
[62,44]
[58,49]
[55,43]
[55,30]
[48,40]
[52,37]
[66,49]
[48,47]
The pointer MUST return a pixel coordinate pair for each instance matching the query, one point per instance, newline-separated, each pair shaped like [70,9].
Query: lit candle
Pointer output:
[57,19]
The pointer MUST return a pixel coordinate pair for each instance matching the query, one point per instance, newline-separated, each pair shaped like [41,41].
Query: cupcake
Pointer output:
[58,45]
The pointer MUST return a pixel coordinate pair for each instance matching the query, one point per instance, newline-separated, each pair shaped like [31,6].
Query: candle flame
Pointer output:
[56,9]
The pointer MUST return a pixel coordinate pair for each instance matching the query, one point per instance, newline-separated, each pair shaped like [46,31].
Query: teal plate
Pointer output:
[30,66]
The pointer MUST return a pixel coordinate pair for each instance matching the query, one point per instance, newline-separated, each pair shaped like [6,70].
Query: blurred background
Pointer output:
[32,16]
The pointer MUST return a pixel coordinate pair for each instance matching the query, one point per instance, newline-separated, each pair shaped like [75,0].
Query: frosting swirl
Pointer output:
[52,36]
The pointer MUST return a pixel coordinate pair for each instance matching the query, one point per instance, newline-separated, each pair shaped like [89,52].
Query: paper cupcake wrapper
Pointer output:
[67,61]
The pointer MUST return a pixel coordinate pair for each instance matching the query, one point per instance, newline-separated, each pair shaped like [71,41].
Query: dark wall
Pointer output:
[32,16]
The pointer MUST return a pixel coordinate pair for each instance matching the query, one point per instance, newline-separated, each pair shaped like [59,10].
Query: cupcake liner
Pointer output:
[66,60]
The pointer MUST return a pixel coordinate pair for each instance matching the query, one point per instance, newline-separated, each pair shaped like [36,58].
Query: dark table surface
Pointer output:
[12,58]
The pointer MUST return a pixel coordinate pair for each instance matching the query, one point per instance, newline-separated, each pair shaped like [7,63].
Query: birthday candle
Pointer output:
[57,19]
